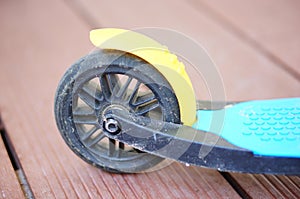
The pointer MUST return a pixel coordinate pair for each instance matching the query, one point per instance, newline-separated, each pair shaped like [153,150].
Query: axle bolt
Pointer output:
[112,126]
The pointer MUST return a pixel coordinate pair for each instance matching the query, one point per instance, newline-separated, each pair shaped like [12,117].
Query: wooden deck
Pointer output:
[255,44]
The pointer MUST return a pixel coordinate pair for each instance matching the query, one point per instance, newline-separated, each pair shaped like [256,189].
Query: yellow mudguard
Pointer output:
[157,55]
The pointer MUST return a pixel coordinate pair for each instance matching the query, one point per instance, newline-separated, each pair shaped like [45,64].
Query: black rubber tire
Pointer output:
[103,61]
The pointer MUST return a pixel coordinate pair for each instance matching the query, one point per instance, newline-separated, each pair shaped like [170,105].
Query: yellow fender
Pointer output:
[157,55]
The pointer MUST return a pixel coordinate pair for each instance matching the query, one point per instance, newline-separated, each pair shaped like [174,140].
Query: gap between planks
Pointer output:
[15,162]
[80,10]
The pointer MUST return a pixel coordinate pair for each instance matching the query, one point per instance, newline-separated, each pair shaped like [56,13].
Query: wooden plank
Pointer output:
[273,28]
[33,62]
[37,46]
[9,184]
[269,186]
[247,74]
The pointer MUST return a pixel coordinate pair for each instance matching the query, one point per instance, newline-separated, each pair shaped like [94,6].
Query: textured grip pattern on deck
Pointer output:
[266,127]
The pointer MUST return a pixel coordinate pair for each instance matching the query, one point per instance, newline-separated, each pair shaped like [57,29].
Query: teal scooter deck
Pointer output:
[265,127]
[251,137]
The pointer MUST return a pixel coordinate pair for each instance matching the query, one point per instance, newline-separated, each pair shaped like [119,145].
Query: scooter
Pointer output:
[130,104]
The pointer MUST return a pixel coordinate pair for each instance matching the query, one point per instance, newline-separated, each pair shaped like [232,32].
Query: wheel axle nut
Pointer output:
[112,126]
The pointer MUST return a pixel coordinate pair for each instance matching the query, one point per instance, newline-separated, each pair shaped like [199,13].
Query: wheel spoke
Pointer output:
[120,149]
[111,147]
[121,145]
[109,83]
[144,100]
[105,86]
[79,111]
[124,88]
[89,134]
[84,118]
[91,98]
[97,139]
[147,108]
[134,93]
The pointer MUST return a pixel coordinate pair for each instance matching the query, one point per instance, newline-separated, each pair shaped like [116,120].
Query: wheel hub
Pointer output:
[110,125]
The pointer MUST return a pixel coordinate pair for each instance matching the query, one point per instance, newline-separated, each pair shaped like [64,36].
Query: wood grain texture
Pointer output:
[247,74]
[269,186]
[9,184]
[270,27]
[40,39]
[37,47]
